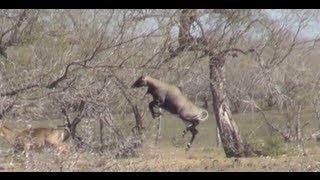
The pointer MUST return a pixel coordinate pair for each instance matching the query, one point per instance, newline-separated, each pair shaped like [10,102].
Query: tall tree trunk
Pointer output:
[138,128]
[101,132]
[298,125]
[229,133]
[139,120]
[218,138]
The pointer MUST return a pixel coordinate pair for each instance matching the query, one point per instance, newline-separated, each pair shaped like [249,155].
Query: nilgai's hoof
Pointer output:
[188,147]
[184,133]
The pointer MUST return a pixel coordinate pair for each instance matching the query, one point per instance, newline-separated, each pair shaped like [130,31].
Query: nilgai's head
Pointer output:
[141,81]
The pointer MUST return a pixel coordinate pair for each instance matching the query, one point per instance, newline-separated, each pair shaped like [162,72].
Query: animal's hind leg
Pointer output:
[184,133]
[158,128]
[194,132]
[189,125]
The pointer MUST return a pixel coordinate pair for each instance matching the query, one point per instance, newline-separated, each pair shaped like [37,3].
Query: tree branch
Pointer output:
[14,92]
[13,37]
[83,62]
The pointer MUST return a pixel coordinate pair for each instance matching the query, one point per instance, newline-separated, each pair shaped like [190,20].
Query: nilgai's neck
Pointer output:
[8,134]
[154,83]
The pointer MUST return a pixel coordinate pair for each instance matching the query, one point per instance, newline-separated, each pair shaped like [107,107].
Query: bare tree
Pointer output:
[230,135]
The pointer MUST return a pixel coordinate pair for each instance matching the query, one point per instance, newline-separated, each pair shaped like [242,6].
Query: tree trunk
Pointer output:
[138,128]
[218,138]
[229,133]
[298,125]
[101,132]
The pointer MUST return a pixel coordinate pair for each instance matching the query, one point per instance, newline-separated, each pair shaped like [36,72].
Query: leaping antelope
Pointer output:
[170,98]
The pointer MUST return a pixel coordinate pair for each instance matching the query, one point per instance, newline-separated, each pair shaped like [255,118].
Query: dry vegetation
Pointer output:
[256,71]
[170,154]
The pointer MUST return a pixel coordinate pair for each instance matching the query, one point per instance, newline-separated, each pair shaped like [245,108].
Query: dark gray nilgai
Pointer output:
[170,98]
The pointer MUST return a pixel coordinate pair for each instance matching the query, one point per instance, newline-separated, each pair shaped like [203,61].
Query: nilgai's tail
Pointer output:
[204,115]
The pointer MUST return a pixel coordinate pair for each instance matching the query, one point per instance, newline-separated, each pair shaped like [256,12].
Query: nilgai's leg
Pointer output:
[158,128]
[152,105]
[184,133]
[194,133]
[186,130]
[188,124]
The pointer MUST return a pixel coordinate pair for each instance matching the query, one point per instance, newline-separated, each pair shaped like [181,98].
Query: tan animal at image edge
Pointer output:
[36,138]
[7,134]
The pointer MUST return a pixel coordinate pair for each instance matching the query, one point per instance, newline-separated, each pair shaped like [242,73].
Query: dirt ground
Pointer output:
[170,154]
[163,160]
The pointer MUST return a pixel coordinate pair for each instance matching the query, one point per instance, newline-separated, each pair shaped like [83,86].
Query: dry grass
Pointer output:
[167,160]
[170,155]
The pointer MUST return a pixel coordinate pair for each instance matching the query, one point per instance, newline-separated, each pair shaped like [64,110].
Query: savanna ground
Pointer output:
[169,154]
